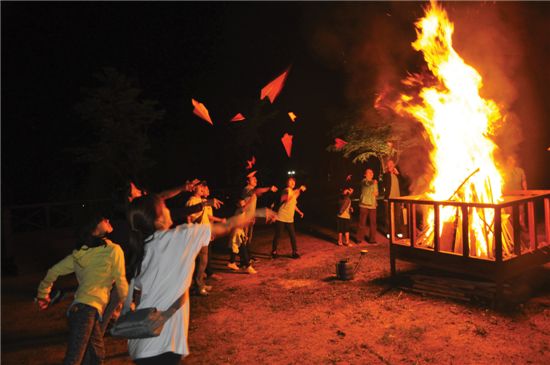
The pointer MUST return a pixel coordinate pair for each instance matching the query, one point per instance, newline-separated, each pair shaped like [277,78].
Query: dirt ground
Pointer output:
[295,311]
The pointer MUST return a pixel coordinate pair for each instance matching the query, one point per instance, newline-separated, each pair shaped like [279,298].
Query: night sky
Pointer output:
[341,55]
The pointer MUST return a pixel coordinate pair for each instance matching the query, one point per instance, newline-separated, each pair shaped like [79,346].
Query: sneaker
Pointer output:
[347,244]
[233,266]
[296,255]
[274,255]
[251,270]
[340,243]
[203,292]
[215,277]
[207,287]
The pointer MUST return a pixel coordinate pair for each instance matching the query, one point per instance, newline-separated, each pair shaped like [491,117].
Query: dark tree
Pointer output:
[119,118]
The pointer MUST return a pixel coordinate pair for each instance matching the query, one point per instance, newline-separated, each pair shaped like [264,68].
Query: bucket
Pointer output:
[344,270]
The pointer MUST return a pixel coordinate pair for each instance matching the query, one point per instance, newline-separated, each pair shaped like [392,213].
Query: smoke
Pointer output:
[371,44]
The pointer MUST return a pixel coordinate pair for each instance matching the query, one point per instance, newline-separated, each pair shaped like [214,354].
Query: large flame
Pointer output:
[458,121]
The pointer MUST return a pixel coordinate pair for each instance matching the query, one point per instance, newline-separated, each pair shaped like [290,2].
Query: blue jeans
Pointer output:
[84,332]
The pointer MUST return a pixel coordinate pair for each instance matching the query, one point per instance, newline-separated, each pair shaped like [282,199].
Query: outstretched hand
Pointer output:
[43,303]
[214,203]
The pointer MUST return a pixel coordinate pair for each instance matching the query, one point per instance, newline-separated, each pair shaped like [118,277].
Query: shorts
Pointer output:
[342,225]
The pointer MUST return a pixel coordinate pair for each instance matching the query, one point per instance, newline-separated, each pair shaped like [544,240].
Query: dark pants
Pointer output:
[167,358]
[114,301]
[243,254]
[279,226]
[398,219]
[84,332]
[365,213]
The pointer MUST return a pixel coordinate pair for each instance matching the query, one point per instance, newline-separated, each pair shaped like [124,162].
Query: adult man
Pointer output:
[392,184]
[515,180]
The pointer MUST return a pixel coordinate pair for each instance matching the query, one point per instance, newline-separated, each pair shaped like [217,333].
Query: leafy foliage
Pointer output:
[119,119]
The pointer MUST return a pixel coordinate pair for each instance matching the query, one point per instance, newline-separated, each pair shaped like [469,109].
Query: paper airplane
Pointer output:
[348,178]
[292,116]
[201,111]
[252,173]
[287,142]
[250,163]
[273,89]
[238,118]
[339,143]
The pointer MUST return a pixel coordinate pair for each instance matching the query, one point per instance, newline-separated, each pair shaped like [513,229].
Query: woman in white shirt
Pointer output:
[162,265]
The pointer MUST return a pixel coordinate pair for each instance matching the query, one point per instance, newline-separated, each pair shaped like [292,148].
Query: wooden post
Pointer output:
[498,235]
[391,221]
[465,232]
[532,225]
[393,270]
[412,224]
[516,229]
[436,227]
[547,219]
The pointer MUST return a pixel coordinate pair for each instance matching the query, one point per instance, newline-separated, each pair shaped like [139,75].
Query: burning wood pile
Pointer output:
[464,213]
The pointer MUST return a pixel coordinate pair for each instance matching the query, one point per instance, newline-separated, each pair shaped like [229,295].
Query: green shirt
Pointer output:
[369,191]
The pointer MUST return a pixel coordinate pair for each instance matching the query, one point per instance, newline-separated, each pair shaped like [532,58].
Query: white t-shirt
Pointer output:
[166,273]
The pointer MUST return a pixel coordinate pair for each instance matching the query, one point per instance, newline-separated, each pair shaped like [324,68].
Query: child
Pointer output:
[97,263]
[205,216]
[239,245]
[367,207]
[285,217]
[343,217]
[163,271]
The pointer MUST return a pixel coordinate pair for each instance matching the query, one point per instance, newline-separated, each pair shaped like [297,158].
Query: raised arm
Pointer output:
[261,191]
[170,193]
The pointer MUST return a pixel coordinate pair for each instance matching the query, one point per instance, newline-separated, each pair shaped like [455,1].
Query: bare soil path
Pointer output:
[295,312]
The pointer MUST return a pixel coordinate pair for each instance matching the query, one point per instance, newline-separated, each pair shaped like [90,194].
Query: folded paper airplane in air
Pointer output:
[287,142]
[252,173]
[250,164]
[238,118]
[292,116]
[339,143]
[201,111]
[348,178]
[273,89]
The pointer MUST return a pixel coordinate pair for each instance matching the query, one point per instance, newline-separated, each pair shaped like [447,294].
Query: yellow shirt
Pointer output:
[96,270]
[202,217]
[286,211]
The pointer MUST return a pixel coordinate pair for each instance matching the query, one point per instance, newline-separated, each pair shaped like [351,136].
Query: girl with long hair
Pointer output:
[161,263]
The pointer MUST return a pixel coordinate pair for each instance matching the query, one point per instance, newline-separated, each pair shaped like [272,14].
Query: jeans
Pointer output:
[279,226]
[114,301]
[84,332]
[167,358]
[244,255]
